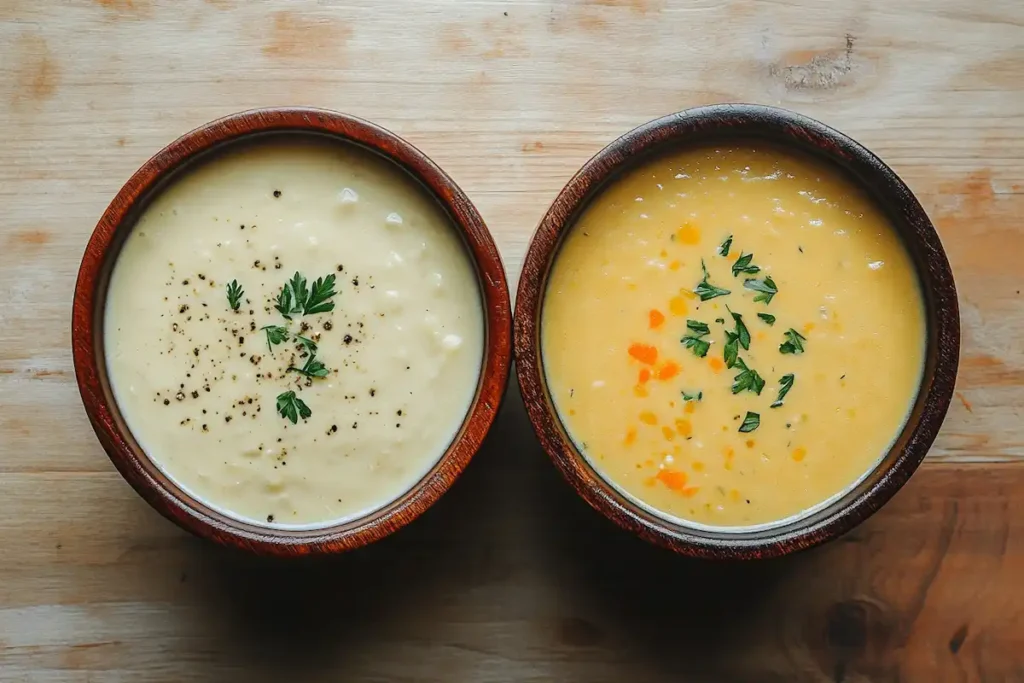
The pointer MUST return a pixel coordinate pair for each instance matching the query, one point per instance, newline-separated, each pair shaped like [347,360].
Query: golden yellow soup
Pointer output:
[733,335]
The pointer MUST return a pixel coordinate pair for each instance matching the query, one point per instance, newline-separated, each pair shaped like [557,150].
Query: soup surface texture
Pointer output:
[753,391]
[308,404]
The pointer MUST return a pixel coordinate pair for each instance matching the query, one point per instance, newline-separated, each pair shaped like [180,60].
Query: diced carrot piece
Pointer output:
[645,353]
[716,364]
[669,370]
[644,376]
[799,453]
[655,318]
[668,433]
[690,491]
[648,418]
[684,427]
[688,234]
[690,407]
[630,436]
[674,265]
[673,479]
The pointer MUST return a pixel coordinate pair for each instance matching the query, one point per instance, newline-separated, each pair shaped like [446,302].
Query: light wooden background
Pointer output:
[510,577]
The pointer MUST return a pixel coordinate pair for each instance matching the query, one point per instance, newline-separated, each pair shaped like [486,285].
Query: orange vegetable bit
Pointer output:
[799,453]
[645,353]
[673,479]
[678,305]
[688,234]
[690,491]
[716,364]
[630,436]
[648,418]
[675,265]
[684,427]
[644,376]
[690,407]
[667,432]
[655,318]
[640,391]
[669,370]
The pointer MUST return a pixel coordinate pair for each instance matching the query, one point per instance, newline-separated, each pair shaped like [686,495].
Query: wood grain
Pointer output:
[510,577]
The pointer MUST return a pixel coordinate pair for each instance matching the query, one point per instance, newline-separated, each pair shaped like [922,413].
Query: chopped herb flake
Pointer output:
[766,289]
[751,422]
[743,265]
[794,342]
[767,317]
[235,293]
[723,249]
[785,384]
[705,290]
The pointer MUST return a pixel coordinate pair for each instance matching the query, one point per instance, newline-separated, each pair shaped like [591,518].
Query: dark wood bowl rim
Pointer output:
[732,122]
[90,292]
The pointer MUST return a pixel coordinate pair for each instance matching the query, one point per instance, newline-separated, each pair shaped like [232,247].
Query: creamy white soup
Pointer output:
[294,332]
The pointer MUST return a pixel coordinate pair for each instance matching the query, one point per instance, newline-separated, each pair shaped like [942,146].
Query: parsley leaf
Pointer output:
[317,302]
[742,333]
[794,342]
[723,250]
[693,397]
[291,407]
[698,327]
[767,317]
[235,293]
[747,380]
[785,384]
[308,343]
[743,265]
[275,335]
[766,288]
[312,368]
[751,422]
[731,350]
[699,347]
[705,290]
[693,339]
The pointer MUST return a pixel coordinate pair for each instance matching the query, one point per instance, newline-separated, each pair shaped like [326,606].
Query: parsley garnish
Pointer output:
[720,321]
[693,339]
[291,407]
[751,422]
[698,327]
[766,288]
[308,343]
[275,335]
[235,293]
[767,317]
[296,299]
[734,340]
[723,250]
[705,290]
[312,368]
[785,384]
[742,333]
[794,342]
[323,289]
[747,380]
[743,265]
[693,397]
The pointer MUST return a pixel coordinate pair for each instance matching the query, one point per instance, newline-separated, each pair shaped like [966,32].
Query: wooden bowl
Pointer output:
[87,334]
[730,122]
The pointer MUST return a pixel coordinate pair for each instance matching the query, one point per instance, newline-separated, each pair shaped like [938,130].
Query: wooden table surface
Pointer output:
[510,577]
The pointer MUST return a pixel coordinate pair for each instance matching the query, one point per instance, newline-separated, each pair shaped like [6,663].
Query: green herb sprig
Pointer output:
[794,342]
[693,340]
[723,249]
[747,380]
[297,299]
[751,422]
[687,396]
[235,293]
[767,318]
[785,384]
[705,290]
[275,335]
[291,407]
[766,289]
[743,265]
